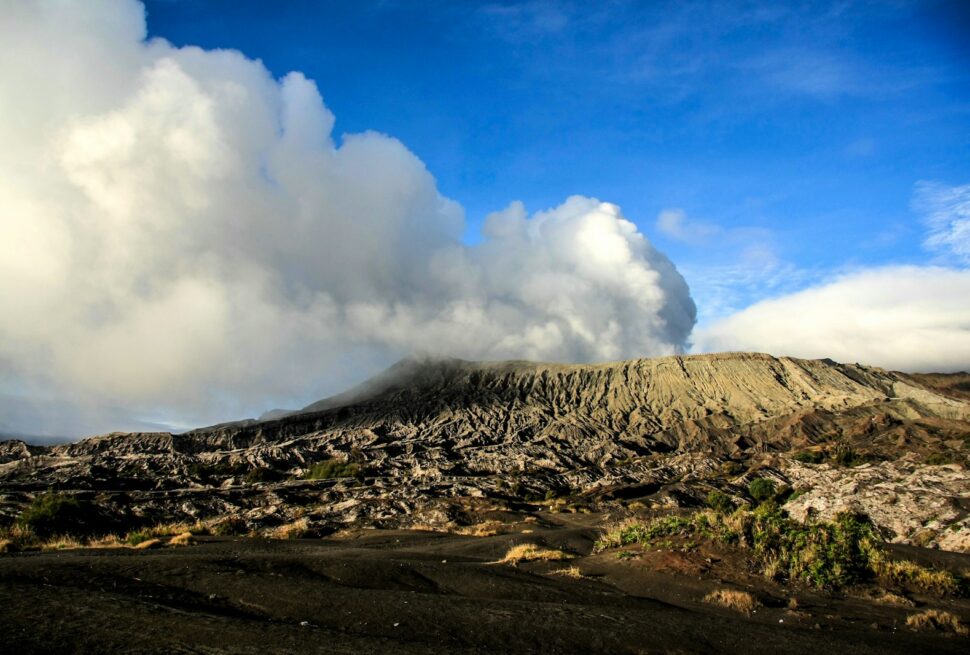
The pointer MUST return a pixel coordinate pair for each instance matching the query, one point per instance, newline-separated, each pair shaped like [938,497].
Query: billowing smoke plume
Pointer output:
[178,228]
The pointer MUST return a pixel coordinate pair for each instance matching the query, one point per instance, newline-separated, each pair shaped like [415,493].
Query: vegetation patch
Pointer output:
[823,554]
[761,489]
[54,514]
[569,572]
[231,526]
[484,529]
[838,454]
[733,599]
[333,468]
[135,538]
[719,501]
[298,529]
[905,573]
[184,539]
[937,620]
[533,553]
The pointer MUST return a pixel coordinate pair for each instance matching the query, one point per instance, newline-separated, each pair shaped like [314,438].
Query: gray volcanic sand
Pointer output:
[421,592]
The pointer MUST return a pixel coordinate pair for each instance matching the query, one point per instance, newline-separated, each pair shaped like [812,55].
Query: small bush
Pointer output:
[332,468]
[761,489]
[719,502]
[135,538]
[53,514]
[231,526]
[842,454]
[809,457]
[739,601]
[938,459]
[204,471]
[261,474]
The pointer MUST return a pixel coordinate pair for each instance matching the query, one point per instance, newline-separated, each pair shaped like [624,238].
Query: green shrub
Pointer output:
[135,538]
[823,554]
[231,526]
[719,502]
[332,468]
[809,457]
[261,474]
[203,471]
[937,459]
[842,454]
[761,489]
[53,514]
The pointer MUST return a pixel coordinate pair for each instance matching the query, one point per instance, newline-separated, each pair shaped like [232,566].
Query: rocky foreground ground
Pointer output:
[392,591]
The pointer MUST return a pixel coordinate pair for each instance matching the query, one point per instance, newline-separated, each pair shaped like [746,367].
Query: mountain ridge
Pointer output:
[427,435]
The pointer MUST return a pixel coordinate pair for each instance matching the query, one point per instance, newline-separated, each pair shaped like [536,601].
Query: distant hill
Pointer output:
[427,430]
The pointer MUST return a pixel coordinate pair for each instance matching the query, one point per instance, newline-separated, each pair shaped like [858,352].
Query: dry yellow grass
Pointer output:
[733,599]
[169,529]
[184,539]
[533,553]
[937,620]
[297,529]
[569,572]
[907,573]
[147,544]
[6,546]
[484,529]
[62,543]
[889,598]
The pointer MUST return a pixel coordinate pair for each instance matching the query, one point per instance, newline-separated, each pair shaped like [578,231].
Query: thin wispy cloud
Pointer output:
[946,211]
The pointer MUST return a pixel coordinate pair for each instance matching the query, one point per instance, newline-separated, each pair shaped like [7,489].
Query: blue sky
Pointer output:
[797,130]
[214,208]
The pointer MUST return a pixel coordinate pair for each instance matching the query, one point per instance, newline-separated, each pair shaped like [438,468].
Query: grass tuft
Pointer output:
[569,572]
[937,620]
[184,539]
[733,599]
[484,529]
[148,544]
[533,553]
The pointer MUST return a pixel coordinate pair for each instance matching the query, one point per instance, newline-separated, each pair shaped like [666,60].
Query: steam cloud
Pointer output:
[179,231]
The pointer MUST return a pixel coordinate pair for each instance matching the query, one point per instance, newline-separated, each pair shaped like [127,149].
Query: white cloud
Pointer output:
[947,214]
[675,224]
[180,233]
[903,317]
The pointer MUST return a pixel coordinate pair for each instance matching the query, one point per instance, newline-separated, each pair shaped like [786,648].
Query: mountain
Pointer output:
[432,439]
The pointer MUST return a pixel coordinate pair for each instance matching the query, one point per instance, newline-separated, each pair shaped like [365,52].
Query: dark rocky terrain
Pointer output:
[453,463]
[434,442]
